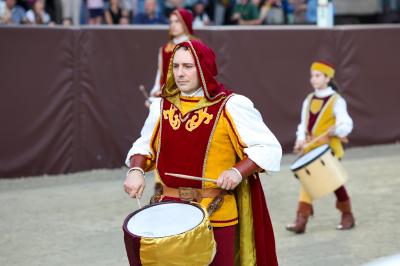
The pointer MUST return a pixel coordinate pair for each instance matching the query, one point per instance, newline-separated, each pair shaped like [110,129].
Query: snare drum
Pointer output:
[169,233]
[319,172]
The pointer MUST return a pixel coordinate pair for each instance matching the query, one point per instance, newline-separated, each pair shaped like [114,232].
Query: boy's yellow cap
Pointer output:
[325,68]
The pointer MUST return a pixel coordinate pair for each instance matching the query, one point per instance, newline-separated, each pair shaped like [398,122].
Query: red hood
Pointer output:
[186,17]
[206,69]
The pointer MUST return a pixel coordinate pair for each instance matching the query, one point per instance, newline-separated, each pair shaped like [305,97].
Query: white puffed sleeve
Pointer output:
[143,144]
[344,123]
[301,128]
[262,147]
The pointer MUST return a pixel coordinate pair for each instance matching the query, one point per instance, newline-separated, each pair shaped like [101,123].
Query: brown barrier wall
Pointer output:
[70,99]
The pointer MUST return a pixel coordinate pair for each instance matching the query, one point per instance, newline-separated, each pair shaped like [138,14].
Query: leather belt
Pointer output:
[191,194]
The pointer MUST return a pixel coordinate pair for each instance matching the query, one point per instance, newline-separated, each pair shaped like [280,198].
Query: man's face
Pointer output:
[319,80]
[185,71]
[175,26]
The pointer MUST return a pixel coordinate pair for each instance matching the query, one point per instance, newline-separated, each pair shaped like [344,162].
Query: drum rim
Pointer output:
[311,161]
[125,225]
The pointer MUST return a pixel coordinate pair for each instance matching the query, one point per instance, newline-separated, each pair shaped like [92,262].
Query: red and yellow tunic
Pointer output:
[320,117]
[207,144]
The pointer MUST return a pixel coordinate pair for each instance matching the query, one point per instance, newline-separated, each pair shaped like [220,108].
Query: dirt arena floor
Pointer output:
[76,219]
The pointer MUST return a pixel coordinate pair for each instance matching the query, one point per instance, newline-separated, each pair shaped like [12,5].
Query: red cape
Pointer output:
[263,231]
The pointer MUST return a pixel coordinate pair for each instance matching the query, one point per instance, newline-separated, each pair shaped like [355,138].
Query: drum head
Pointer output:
[165,219]
[309,157]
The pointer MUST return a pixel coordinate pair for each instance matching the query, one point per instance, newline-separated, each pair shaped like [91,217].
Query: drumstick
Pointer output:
[192,177]
[316,139]
[138,202]
[143,90]
[345,140]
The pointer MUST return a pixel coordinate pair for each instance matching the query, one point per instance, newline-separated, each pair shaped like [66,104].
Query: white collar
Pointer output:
[198,93]
[324,93]
[180,39]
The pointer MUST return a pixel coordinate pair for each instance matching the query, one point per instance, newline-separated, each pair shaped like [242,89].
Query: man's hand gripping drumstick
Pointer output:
[134,183]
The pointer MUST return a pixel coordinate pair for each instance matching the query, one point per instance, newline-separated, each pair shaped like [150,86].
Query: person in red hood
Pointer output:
[199,128]
[180,30]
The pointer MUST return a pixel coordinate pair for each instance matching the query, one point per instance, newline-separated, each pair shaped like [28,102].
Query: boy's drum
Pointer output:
[169,233]
[319,172]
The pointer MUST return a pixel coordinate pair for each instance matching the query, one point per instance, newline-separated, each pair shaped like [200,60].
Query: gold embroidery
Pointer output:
[198,119]
[200,116]
[316,105]
[173,118]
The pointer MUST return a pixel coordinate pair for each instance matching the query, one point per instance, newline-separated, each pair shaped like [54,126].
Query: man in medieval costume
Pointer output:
[200,128]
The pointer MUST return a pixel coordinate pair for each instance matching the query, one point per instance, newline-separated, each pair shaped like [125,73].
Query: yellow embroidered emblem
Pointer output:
[198,119]
[316,105]
[173,118]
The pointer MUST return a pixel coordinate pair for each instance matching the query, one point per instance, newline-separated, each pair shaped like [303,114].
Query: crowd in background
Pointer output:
[206,12]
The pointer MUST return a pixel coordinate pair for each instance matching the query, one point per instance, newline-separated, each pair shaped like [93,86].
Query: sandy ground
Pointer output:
[76,219]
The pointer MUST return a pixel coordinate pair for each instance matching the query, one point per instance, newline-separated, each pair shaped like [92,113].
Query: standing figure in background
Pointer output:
[324,110]
[37,15]
[221,11]
[11,13]
[180,30]
[96,11]
[71,12]
[271,12]
[246,13]
[200,15]
[150,15]
[113,13]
